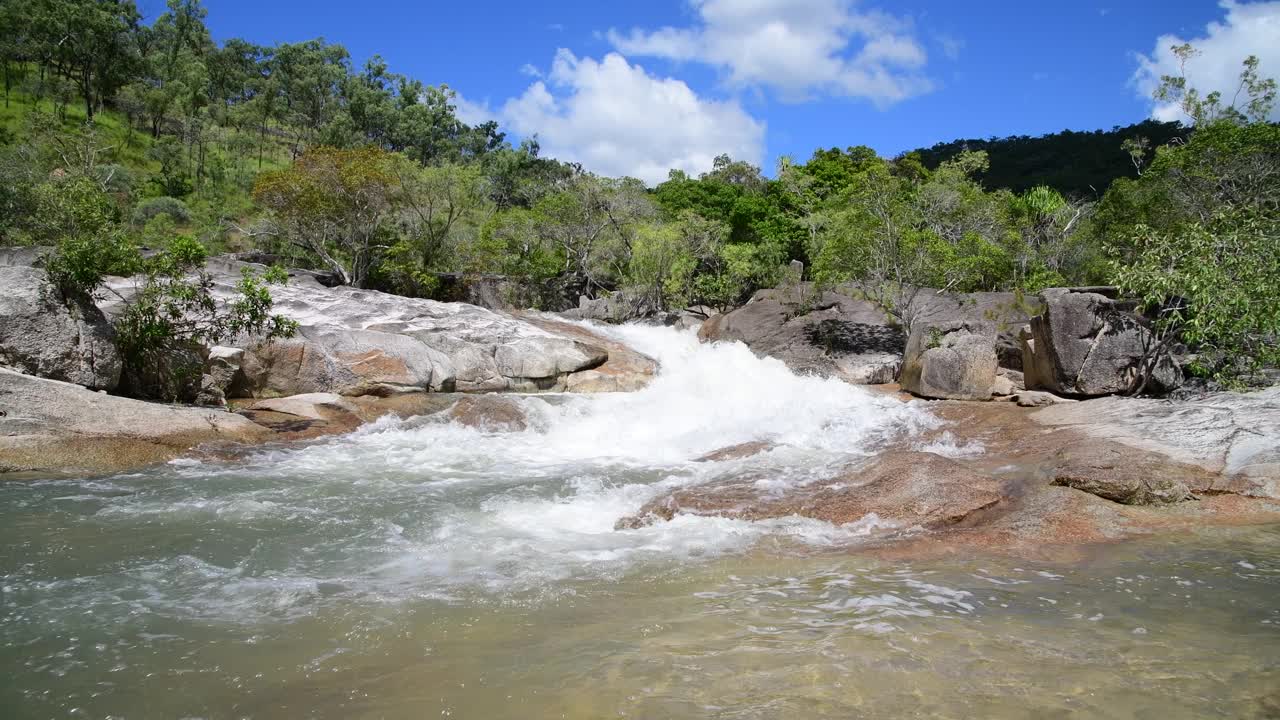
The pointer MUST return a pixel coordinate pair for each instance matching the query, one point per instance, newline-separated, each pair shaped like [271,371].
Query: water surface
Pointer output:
[424,569]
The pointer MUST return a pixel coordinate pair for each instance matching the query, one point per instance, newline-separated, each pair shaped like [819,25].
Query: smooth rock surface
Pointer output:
[1236,435]
[48,425]
[1126,474]
[42,335]
[624,370]
[357,342]
[954,360]
[900,489]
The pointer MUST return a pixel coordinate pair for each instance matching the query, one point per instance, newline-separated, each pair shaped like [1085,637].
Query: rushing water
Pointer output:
[417,569]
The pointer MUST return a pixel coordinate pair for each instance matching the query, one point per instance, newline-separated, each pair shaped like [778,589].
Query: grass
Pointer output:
[130,148]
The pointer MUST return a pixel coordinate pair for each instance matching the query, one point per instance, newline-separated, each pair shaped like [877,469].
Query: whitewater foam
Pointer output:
[429,508]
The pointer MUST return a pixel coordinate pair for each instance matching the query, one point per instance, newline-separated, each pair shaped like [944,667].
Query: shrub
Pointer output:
[114,178]
[81,221]
[162,330]
[171,207]
[1212,286]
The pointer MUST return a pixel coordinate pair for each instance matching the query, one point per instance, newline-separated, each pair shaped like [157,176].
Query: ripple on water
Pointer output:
[415,567]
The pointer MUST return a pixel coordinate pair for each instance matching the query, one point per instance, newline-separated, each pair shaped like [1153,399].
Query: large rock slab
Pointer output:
[1088,344]
[837,333]
[48,425]
[824,333]
[1234,435]
[953,360]
[1126,474]
[364,342]
[904,489]
[43,335]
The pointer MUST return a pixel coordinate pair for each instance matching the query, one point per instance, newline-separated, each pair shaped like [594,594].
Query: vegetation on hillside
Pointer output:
[118,134]
[1076,163]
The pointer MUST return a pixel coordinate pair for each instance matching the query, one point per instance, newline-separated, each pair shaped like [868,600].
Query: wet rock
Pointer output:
[1036,398]
[490,413]
[47,425]
[1088,344]
[902,488]
[623,370]
[43,335]
[953,360]
[310,415]
[1126,474]
[737,452]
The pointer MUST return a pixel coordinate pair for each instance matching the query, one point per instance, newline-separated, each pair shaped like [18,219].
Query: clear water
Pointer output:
[425,569]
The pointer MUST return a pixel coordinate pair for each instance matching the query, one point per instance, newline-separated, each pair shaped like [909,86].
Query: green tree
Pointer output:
[1252,102]
[1212,286]
[443,209]
[90,42]
[336,205]
[83,224]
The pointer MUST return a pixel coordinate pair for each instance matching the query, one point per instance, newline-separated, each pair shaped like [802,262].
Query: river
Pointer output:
[424,569]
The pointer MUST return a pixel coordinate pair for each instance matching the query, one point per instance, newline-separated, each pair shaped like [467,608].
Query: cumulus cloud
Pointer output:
[617,119]
[471,112]
[1247,29]
[795,47]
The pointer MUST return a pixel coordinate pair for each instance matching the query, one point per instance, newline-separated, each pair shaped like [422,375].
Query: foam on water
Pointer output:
[428,508]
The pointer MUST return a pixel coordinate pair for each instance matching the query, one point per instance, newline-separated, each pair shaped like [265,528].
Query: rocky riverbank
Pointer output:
[358,355]
[1067,466]
[1047,483]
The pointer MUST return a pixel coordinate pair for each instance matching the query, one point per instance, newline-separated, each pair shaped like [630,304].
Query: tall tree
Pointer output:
[90,42]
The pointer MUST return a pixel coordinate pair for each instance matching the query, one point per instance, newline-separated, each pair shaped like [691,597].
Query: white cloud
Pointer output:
[1247,29]
[530,70]
[796,47]
[617,119]
[472,113]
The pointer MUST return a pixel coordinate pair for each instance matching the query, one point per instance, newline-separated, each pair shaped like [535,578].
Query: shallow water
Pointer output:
[424,569]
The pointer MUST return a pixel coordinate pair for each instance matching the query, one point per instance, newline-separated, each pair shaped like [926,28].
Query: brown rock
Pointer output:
[908,489]
[489,412]
[736,452]
[311,415]
[1126,474]
[52,426]
[624,370]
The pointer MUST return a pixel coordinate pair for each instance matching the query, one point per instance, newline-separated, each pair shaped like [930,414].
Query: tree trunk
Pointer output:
[86,86]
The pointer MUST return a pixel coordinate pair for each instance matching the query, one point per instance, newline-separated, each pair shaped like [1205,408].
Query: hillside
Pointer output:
[1080,163]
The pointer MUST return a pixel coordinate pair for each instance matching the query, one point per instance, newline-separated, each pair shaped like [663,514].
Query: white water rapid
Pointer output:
[424,569]
[426,508]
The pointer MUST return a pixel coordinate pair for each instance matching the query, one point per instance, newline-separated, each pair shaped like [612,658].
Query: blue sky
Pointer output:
[635,88]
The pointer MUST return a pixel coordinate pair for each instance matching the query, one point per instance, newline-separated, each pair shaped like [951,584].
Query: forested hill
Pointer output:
[1074,163]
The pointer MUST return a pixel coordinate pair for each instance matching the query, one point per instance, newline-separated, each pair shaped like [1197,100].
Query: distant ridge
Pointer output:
[1073,163]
